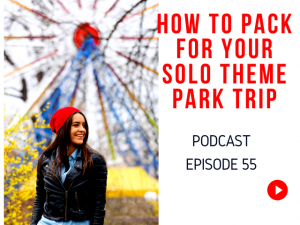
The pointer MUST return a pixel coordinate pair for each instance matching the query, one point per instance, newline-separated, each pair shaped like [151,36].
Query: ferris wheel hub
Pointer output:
[84,31]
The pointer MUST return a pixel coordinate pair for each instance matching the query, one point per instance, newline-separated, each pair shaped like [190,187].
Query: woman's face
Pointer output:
[78,131]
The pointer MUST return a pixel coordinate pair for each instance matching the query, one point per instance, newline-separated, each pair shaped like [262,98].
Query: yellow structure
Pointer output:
[121,182]
[129,182]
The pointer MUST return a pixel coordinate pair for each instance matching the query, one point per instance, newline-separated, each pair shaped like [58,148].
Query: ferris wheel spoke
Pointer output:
[34,11]
[120,20]
[139,13]
[47,87]
[62,5]
[139,38]
[79,3]
[95,4]
[104,116]
[152,121]
[29,37]
[138,63]
[111,8]
[8,58]
[29,64]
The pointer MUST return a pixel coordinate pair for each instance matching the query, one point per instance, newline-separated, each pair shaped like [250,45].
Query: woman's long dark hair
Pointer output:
[62,141]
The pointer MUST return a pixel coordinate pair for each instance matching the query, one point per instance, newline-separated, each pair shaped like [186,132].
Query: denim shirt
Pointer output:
[45,221]
[72,161]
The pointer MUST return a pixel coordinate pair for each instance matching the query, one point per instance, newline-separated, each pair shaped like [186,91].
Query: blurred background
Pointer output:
[100,56]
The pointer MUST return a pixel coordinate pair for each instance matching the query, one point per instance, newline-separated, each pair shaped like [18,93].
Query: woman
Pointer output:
[71,177]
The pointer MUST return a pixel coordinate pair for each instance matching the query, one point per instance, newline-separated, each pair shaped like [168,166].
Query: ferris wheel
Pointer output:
[98,56]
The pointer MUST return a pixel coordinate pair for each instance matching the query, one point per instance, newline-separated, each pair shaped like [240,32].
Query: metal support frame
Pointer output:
[124,130]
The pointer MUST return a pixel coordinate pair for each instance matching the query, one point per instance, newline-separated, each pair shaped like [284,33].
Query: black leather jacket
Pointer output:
[81,197]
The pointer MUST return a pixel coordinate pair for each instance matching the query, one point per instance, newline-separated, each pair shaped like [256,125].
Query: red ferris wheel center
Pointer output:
[83,31]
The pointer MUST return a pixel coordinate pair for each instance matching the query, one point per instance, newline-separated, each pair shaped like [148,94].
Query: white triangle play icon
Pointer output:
[277,190]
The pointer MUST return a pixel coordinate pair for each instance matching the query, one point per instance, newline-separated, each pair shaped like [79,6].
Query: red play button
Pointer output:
[277,190]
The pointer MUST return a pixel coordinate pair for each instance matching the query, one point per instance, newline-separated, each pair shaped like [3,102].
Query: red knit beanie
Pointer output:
[60,116]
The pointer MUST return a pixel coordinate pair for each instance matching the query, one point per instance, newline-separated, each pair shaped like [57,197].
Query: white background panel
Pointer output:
[226,196]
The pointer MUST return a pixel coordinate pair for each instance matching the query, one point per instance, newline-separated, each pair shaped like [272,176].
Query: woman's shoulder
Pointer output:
[46,156]
[96,156]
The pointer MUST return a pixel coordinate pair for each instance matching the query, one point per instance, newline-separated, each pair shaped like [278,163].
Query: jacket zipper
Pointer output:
[76,197]
[66,194]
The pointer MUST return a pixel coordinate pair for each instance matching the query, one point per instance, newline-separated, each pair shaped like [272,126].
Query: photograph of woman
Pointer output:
[68,63]
[71,177]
